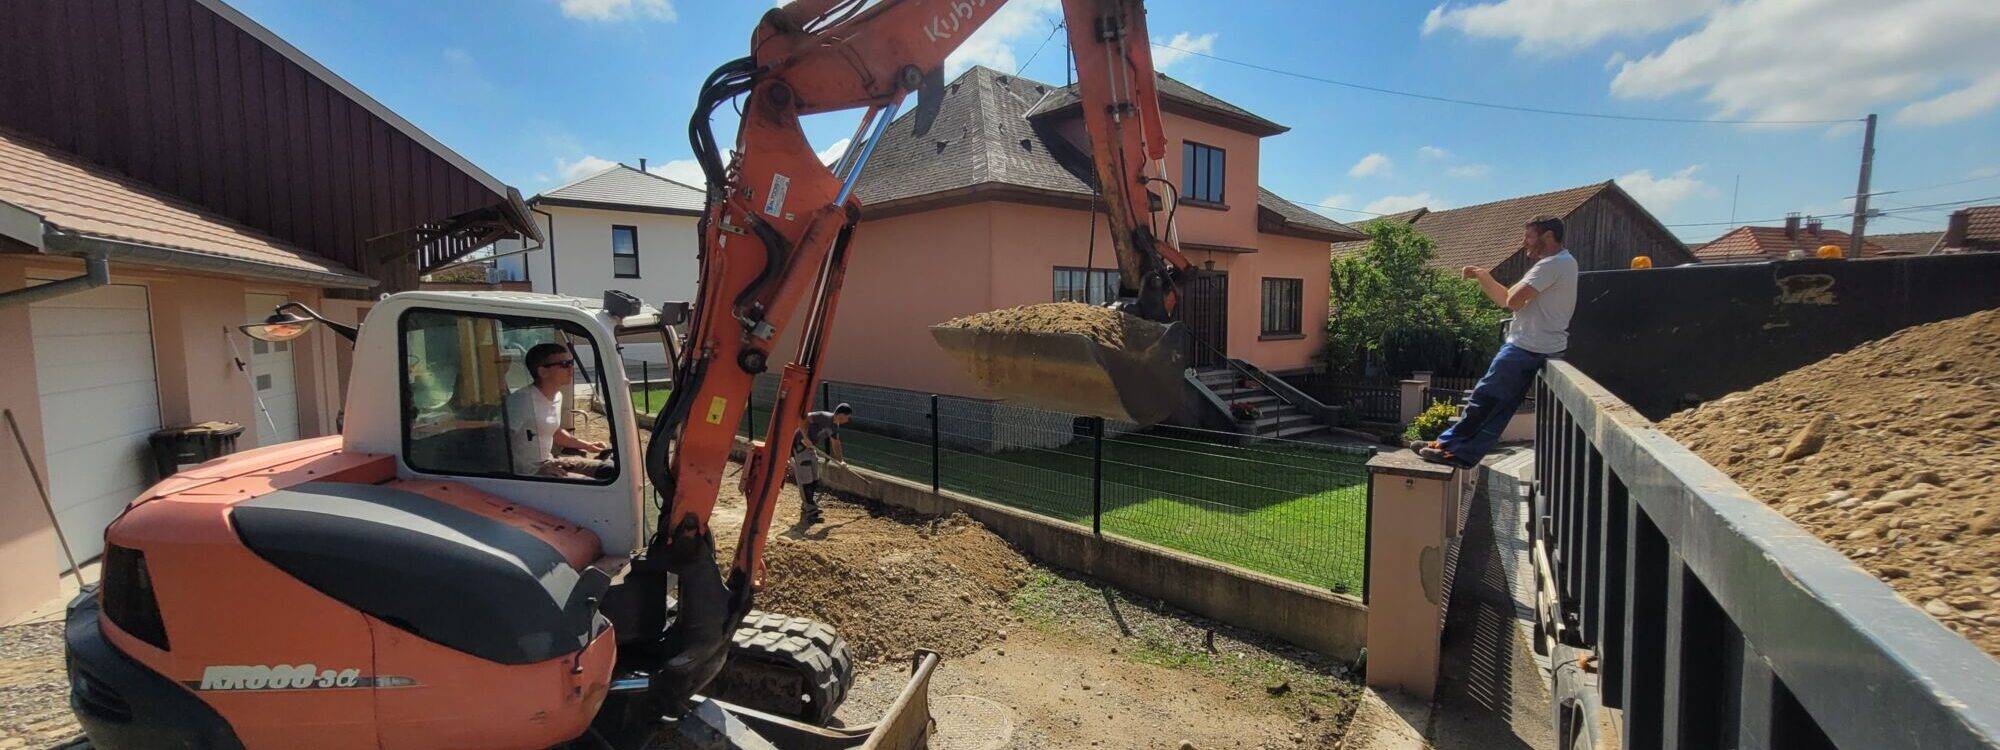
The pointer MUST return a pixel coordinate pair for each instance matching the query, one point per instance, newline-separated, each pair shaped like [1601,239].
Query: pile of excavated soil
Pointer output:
[1104,325]
[889,585]
[1890,452]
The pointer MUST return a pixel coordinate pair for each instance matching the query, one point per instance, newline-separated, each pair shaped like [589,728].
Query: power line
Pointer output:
[1882,212]
[1038,49]
[1496,105]
[1939,185]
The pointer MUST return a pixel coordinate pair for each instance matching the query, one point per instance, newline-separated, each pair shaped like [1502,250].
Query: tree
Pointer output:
[1391,313]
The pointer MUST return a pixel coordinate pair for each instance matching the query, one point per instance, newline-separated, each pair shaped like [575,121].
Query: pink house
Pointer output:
[992,208]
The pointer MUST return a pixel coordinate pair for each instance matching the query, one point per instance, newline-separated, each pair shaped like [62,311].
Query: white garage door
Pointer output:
[277,392]
[94,370]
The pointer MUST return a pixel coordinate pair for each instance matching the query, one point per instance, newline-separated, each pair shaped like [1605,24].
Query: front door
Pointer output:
[272,379]
[1205,311]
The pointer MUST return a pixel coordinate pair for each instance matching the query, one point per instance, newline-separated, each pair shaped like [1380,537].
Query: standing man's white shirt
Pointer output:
[1542,326]
[532,422]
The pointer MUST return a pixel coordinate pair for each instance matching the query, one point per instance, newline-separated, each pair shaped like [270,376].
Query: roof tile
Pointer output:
[83,199]
[623,186]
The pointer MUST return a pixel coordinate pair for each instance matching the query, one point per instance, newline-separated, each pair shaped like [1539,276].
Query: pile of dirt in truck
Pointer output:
[1101,324]
[1890,452]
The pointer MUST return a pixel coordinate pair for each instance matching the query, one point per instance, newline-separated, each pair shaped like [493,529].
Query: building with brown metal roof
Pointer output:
[1605,228]
[170,170]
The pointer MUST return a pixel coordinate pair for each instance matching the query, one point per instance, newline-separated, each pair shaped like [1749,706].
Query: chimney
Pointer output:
[1791,226]
[642,164]
[1955,228]
[1812,225]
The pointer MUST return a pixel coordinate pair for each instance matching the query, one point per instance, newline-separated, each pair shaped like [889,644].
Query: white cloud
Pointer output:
[1563,25]
[993,44]
[1392,204]
[1468,171]
[1181,47]
[1816,59]
[684,171]
[619,10]
[1371,165]
[830,153]
[1661,194]
[582,167]
[1342,200]
[462,71]
[1984,172]
[1433,152]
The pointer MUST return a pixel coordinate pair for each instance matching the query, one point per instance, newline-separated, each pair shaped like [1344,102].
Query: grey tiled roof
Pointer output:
[621,186]
[983,136]
[1172,92]
[1294,215]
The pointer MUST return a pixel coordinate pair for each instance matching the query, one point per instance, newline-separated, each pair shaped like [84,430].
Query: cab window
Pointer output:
[473,406]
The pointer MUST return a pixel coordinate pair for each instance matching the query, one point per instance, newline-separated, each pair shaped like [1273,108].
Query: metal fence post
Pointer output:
[1367,538]
[1097,476]
[936,449]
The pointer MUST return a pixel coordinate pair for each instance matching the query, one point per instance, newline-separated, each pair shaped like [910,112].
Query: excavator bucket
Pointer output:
[1140,381]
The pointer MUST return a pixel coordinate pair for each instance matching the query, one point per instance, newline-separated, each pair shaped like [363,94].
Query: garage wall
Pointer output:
[27,542]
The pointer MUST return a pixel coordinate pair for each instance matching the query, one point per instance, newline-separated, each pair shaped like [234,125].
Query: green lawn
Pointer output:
[649,398]
[1296,511]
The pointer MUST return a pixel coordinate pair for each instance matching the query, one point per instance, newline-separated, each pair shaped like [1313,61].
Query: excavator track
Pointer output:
[788,666]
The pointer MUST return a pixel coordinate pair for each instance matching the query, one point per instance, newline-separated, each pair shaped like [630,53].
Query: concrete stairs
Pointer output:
[1276,419]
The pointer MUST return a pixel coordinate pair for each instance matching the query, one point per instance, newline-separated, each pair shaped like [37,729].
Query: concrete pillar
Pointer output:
[1412,393]
[1412,505]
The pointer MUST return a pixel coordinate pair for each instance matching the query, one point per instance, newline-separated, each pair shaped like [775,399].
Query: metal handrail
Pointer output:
[1655,554]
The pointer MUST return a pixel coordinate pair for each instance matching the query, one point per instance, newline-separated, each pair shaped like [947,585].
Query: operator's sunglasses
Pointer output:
[562,363]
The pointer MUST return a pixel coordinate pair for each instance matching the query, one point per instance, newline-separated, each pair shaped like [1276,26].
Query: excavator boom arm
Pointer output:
[774,242]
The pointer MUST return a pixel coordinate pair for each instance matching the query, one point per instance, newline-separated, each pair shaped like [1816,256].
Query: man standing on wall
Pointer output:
[1542,303]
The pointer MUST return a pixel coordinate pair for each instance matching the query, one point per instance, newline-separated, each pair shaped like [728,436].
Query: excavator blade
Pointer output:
[1140,382]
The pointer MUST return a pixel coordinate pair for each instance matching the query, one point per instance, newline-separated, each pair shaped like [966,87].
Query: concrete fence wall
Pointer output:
[1331,624]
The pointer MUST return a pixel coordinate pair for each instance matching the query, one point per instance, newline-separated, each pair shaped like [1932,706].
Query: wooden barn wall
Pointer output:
[170,93]
[1605,233]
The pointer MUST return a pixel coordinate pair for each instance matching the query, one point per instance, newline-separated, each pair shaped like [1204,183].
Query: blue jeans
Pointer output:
[1494,400]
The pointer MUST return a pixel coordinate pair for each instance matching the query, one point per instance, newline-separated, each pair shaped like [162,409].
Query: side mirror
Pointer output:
[290,321]
[280,327]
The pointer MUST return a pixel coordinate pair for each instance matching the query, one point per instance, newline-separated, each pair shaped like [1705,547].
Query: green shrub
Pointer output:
[1431,422]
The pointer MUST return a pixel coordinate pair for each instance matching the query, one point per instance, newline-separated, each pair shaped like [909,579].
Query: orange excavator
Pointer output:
[426,579]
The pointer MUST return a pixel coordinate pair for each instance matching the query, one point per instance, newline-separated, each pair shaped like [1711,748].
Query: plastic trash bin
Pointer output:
[177,448]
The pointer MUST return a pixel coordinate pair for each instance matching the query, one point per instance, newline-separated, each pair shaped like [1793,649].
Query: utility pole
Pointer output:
[1854,243]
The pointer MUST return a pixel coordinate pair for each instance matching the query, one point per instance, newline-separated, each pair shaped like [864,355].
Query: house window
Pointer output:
[625,252]
[1201,173]
[1283,307]
[1091,286]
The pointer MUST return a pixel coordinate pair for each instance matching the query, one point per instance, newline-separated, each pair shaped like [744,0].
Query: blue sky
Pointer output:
[537,91]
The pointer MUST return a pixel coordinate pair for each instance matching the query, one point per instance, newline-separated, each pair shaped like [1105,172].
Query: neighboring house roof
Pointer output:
[1175,97]
[199,101]
[983,142]
[622,188]
[88,209]
[1982,226]
[1906,243]
[1487,234]
[1752,243]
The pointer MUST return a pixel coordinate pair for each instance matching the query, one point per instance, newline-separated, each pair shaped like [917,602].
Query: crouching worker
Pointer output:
[1542,303]
[818,426]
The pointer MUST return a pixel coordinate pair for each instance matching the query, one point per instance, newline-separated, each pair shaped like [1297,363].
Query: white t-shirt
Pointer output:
[532,422]
[1542,326]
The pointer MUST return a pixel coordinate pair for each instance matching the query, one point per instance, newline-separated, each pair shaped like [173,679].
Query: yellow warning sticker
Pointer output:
[715,408]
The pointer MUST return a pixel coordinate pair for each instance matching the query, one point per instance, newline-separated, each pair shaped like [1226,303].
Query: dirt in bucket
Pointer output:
[1889,452]
[1112,328]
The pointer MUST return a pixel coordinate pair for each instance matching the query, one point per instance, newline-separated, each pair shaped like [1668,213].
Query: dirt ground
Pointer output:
[1108,327]
[34,690]
[1890,452]
[1034,659]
